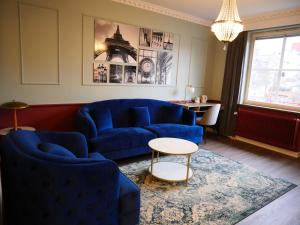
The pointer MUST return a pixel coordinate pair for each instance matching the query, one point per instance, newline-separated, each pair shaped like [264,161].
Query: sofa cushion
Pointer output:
[172,114]
[102,118]
[121,138]
[55,149]
[140,116]
[191,133]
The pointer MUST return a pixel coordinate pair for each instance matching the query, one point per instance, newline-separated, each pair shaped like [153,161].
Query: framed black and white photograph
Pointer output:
[115,73]
[115,42]
[164,68]
[124,54]
[168,41]
[100,72]
[147,66]
[157,39]
[145,37]
[130,74]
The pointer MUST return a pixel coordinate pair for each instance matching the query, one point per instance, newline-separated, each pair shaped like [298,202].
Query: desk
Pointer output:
[196,106]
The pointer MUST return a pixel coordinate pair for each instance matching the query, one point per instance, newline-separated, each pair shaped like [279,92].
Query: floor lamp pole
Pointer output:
[15,120]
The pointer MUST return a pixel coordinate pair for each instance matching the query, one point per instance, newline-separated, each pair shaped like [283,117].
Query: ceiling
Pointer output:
[209,9]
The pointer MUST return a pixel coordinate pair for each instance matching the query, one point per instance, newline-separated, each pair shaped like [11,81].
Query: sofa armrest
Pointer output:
[189,117]
[73,141]
[129,203]
[85,123]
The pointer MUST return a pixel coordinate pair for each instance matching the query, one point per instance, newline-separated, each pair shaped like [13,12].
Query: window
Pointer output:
[274,70]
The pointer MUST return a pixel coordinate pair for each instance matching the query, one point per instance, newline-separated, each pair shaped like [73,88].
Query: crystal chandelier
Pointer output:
[228,25]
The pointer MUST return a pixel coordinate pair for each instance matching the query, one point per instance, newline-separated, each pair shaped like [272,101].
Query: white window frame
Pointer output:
[261,35]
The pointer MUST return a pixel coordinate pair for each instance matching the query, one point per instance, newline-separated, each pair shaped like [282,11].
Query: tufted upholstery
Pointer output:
[46,189]
[110,140]
[130,133]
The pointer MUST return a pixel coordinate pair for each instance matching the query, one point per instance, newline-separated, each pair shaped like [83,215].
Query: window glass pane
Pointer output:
[267,53]
[274,76]
[289,89]
[260,84]
[292,53]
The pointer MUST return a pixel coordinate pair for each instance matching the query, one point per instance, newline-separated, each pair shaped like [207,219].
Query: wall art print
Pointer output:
[101,71]
[147,66]
[145,37]
[130,74]
[125,54]
[115,73]
[157,39]
[164,68]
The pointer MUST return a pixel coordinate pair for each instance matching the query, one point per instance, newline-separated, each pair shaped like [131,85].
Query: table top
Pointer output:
[173,146]
[194,104]
[5,131]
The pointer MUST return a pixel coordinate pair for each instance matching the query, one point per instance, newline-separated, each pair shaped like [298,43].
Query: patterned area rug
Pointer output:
[221,191]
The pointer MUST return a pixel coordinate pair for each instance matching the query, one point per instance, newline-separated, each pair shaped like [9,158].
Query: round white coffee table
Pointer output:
[171,171]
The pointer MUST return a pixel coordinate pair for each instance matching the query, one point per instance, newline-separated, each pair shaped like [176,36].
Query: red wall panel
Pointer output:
[43,117]
[277,128]
[272,127]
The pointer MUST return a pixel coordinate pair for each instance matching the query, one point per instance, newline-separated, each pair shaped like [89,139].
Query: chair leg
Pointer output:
[204,134]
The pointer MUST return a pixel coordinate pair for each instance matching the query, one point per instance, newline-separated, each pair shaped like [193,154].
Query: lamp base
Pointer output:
[7,130]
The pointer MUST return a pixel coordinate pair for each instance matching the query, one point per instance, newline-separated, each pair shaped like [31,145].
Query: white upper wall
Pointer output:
[198,68]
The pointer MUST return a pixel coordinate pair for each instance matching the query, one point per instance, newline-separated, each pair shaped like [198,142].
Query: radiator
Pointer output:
[280,129]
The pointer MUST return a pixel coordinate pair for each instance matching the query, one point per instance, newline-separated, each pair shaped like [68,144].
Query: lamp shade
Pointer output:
[190,89]
[14,105]
[228,25]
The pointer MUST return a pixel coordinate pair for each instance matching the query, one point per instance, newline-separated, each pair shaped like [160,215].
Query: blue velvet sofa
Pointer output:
[50,178]
[122,128]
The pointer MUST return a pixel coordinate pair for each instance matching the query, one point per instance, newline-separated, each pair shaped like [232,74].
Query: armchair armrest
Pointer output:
[189,117]
[130,202]
[73,141]
[85,123]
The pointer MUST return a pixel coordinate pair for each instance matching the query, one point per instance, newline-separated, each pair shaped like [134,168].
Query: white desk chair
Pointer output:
[209,118]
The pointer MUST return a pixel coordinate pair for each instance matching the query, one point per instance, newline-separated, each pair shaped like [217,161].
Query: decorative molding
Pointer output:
[23,80]
[266,146]
[272,15]
[272,19]
[263,20]
[165,11]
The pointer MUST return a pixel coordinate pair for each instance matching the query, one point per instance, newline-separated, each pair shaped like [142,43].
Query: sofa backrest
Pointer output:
[121,109]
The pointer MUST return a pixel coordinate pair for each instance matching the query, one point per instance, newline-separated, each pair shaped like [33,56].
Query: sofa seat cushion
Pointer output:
[191,133]
[121,138]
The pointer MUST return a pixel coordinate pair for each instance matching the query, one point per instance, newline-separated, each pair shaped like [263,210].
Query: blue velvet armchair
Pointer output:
[49,178]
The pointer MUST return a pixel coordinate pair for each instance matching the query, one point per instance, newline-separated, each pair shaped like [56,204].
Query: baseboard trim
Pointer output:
[266,146]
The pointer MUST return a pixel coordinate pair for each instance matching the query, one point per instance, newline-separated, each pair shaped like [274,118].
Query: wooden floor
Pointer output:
[282,211]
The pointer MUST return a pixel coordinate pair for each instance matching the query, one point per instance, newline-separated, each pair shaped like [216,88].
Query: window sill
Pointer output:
[271,108]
